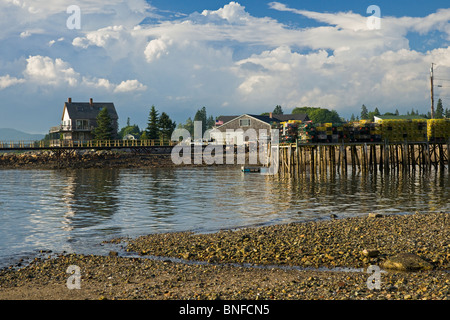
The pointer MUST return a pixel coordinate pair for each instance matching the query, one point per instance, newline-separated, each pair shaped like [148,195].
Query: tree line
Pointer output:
[439,113]
[160,126]
[315,114]
[208,122]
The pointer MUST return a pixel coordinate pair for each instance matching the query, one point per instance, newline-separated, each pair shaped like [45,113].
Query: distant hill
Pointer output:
[7,134]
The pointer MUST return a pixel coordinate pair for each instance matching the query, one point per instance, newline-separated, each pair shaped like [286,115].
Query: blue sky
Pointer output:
[232,57]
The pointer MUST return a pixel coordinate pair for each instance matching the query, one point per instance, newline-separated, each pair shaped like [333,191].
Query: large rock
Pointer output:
[406,262]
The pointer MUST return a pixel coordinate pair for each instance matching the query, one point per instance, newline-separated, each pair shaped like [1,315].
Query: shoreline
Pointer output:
[349,242]
[84,160]
[106,159]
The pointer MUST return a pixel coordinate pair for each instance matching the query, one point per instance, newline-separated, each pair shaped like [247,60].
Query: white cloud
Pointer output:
[7,81]
[46,71]
[98,83]
[225,59]
[130,85]
[25,34]
[156,48]
[232,12]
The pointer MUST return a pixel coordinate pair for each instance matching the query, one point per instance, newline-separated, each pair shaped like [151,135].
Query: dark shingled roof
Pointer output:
[85,110]
[268,119]
[286,117]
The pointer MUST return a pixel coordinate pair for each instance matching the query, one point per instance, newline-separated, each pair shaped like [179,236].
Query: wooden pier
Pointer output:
[369,157]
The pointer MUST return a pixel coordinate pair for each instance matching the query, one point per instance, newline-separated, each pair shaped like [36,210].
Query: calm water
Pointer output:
[75,210]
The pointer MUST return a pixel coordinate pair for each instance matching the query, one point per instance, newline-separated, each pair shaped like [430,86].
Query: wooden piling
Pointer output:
[367,158]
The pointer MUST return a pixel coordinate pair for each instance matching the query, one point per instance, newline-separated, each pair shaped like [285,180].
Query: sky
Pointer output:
[231,57]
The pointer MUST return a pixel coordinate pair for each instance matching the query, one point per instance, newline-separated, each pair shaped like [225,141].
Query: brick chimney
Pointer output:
[69,100]
[91,101]
[270,115]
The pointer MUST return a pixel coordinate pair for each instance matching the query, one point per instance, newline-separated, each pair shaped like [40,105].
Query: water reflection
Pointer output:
[89,196]
[75,210]
[356,194]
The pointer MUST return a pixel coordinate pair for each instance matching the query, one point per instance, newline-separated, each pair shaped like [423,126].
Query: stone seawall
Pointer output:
[104,159]
[82,159]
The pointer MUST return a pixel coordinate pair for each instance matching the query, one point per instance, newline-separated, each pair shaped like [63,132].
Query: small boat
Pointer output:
[251,169]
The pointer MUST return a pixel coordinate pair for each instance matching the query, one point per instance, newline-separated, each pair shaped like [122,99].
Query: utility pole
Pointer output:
[432,91]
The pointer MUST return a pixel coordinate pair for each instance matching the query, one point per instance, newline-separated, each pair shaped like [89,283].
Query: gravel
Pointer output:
[301,261]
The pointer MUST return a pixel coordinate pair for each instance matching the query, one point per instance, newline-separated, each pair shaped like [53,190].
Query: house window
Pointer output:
[82,124]
[244,122]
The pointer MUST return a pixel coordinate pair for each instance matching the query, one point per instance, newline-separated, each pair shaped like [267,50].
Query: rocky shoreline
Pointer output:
[298,261]
[84,159]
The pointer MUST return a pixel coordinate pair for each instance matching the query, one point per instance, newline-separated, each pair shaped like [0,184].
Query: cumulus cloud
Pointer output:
[100,83]
[156,48]
[45,70]
[130,85]
[232,12]
[7,81]
[226,59]
[338,64]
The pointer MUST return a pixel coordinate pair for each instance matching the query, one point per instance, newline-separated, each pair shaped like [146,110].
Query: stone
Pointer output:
[406,262]
[113,254]
[375,215]
[371,253]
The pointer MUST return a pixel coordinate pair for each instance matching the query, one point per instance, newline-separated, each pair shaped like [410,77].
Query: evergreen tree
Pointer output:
[104,130]
[153,124]
[439,114]
[210,122]
[373,114]
[166,126]
[201,116]
[278,110]
[352,118]
[447,112]
[364,113]
[189,126]
[396,112]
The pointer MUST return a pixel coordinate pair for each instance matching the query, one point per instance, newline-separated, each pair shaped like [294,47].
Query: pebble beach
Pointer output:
[316,260]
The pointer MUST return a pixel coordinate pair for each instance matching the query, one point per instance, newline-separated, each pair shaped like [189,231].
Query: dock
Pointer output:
[368,157]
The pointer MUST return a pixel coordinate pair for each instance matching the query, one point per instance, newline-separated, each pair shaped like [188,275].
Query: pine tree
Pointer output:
[189,126]
[201,116]
[439,114]
[278,110]
[364,113]
[104,130]
[166,126]
[153,124]
[210,122]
